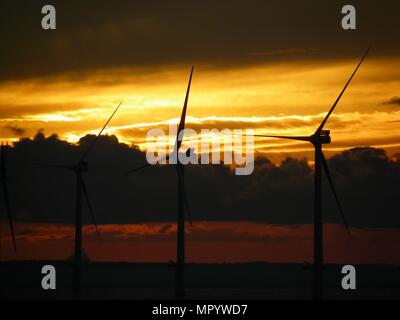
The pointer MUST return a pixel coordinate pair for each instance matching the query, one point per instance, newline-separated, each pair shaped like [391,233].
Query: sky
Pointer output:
[272,66]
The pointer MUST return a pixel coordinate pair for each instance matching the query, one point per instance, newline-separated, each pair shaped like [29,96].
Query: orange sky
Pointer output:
[260,67]
[279,98]
[206,242]
[285,98]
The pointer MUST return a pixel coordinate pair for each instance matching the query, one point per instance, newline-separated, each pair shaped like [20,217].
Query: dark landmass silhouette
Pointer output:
[258,280]
[366,180]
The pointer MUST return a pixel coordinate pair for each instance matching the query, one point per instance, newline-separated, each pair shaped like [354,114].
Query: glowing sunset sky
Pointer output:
[272,66]
[253,81]
[273,99]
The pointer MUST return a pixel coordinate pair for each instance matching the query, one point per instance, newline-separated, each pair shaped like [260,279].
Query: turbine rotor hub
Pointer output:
[322,137]
[82,166]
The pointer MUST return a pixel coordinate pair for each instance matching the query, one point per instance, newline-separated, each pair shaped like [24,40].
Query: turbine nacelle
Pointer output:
[322,137]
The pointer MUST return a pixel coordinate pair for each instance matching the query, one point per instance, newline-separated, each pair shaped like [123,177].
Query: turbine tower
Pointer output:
[6,199]
[182,201]
[319,138]
[79,168]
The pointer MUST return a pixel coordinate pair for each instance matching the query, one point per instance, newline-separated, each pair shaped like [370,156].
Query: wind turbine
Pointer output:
[317,139]
[79,168]
[6,199]
[182,201]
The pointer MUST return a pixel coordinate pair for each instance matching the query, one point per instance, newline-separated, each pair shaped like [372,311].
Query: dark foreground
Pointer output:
[22,280]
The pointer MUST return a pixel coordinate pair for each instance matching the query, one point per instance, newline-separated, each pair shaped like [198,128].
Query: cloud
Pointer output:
[239,231]
[207,242]
[175,33]
[282,52]
[366,179]
[264,125]
[18,131]
[393,101]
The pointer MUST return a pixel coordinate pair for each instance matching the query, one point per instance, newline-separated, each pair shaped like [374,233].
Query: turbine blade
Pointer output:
[144,166]
[47,165]
[101,131]
[181,181]
[6,196]
[3,161]
[328,175]
[321,126]
[183,115]
[9,215]
[138,168]
[86,195]
[300,138]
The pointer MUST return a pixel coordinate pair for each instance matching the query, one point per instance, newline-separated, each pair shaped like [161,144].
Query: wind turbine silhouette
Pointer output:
[182,200]
[79,168]
[3,179]
[317,139]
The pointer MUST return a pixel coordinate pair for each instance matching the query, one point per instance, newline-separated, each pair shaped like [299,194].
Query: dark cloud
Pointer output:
[366,179]
[18,131]
[27,110]
[393,101]
[92,35]
[282,52]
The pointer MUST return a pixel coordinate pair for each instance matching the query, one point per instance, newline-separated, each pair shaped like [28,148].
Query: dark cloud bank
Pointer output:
[367,182]
[100,34]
